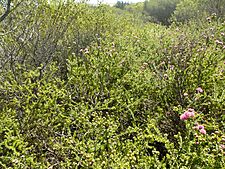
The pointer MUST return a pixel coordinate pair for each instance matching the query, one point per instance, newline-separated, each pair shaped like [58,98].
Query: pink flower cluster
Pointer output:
[187,114]
[201,128]
[219,42]
[199,90]
[203,131]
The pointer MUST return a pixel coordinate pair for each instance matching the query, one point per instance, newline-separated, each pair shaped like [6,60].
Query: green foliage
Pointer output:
[198,9]
[94,87]
[161,10]
[186,10]
[212,7]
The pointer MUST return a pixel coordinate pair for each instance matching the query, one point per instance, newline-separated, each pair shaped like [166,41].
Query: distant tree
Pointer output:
[121,4]
[198,9]
[187,10]
[137,10]
[161,10]
[135,7]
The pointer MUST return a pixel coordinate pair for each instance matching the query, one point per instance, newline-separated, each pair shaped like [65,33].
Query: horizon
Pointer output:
[112,2]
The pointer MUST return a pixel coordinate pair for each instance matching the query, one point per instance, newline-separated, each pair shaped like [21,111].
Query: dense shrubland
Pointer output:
[166,12]
[97,87]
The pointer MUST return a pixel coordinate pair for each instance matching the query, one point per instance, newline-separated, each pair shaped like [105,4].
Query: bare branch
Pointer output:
[6,12]
[9,10]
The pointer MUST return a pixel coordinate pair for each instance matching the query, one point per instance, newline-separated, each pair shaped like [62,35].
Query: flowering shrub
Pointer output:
[187,114]
[92,87]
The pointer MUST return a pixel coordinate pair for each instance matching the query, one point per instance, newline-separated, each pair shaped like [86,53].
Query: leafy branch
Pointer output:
[8,10]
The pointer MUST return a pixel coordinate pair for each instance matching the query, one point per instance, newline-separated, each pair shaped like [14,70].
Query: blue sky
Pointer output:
[111,2]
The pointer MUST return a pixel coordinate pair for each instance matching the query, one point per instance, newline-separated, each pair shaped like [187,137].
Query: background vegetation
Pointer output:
[131,86]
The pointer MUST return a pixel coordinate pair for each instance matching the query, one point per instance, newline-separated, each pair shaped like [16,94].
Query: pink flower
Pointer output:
[199,90]
[171,67]
[219,42]
[203,131]
[189,114]
[201,127]
[184,117]
[191,110]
